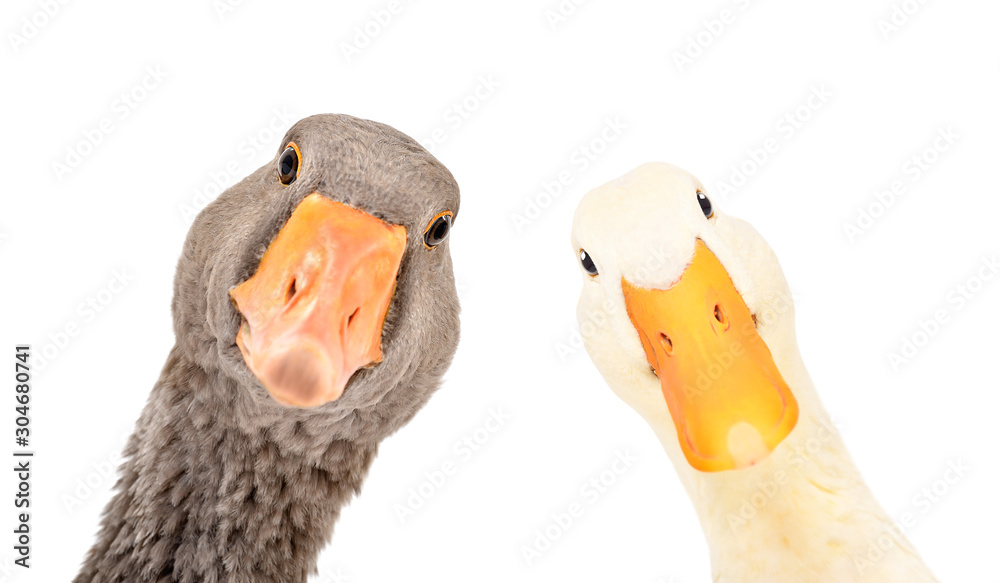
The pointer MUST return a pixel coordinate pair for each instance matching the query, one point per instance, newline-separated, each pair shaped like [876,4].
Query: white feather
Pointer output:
[804,513]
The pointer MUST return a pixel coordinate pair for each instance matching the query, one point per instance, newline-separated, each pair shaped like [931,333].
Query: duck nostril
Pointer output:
[720,316]
[290,292]
[667,344]
[351,317]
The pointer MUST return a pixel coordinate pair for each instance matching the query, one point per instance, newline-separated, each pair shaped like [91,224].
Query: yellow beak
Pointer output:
[728,401]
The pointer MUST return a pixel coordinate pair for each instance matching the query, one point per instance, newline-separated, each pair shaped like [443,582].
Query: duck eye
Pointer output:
[587,263]
[437,230]
[288,164]
[706,205]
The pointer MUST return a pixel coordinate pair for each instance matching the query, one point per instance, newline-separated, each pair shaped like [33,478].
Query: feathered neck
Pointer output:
[803,514]
[205,496]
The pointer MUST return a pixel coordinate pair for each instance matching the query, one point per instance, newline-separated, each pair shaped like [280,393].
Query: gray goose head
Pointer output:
[322,283]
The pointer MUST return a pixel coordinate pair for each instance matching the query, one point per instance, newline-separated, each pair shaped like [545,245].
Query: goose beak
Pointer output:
[728,401]
[313,312]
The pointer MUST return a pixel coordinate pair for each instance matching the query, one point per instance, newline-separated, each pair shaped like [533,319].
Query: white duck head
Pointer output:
[693,299]
[689,318]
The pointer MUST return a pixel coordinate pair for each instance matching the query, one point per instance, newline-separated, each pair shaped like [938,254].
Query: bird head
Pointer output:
[323,281]
[682,310]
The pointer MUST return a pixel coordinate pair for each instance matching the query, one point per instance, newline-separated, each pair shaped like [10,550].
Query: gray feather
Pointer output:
[221,483]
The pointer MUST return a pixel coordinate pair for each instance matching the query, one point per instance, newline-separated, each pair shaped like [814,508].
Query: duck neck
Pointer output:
[774,514]
[205,495]
[803,514]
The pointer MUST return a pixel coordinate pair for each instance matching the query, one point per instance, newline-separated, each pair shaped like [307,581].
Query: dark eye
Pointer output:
[438,229]
[706,205]
[587,263]
[288,164]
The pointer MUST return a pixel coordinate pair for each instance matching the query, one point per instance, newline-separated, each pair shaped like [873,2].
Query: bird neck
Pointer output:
[803,514]
[204,495]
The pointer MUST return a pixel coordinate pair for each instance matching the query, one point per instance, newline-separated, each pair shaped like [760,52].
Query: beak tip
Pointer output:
[301,377]
[746,445]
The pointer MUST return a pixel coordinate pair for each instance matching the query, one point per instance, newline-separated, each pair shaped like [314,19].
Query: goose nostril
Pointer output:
[245,327]
[290,292]
[351,317]
[667,344]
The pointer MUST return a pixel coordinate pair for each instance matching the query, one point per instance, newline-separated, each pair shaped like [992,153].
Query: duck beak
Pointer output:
[313,312]
[729,403]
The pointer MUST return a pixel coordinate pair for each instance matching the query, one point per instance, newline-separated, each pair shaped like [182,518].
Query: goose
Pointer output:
[315,311]
[688,317]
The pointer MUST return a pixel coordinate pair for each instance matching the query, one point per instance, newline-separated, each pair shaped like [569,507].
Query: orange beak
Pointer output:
[729,403]
[313,312]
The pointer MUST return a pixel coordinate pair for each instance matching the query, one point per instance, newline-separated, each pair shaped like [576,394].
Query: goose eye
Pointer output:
[288,164]
[587,263]
[437,230]
[706,205]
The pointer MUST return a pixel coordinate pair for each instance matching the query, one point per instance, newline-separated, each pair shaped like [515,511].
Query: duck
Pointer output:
[689,319]
[315,312]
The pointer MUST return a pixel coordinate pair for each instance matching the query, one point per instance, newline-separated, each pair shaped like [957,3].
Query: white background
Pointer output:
[227,74]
